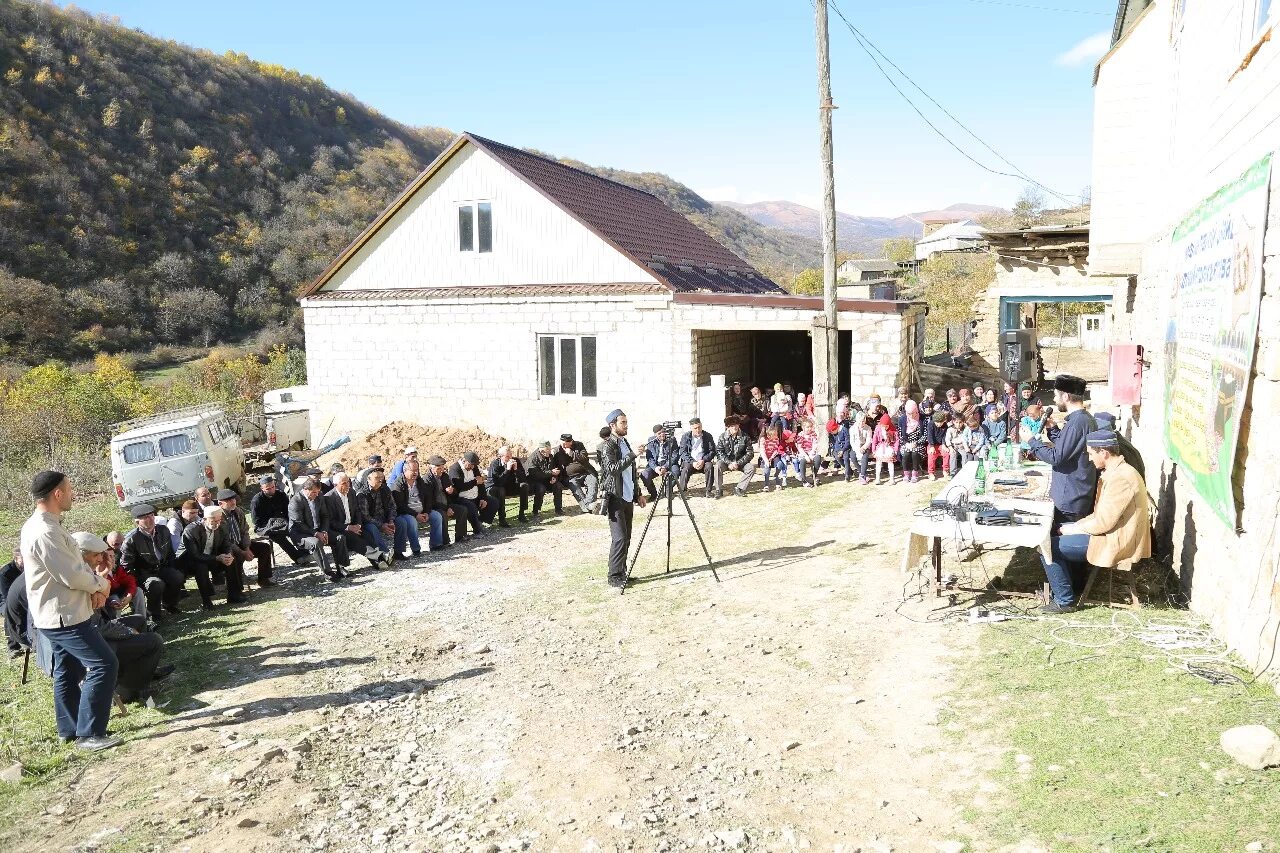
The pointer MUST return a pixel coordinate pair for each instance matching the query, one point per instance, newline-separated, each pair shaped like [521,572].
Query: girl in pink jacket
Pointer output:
[885,445]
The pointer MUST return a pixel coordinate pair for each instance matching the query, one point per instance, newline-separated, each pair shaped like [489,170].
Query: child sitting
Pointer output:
[807,457]
[973,440]
[1032,421]
[939,452]
[777,450]
[954,440]
[861,435]
[997,427]
[885,446]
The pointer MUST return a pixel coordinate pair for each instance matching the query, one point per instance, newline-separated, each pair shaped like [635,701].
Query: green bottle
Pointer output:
[980,479]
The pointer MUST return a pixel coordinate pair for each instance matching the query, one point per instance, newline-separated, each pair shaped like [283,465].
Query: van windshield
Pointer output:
[175,445]
[141,451]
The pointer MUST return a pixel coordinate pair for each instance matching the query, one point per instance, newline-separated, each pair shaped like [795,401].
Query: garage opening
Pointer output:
[763,357]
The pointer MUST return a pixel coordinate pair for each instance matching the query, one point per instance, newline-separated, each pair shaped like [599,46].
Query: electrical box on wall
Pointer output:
[1126,374]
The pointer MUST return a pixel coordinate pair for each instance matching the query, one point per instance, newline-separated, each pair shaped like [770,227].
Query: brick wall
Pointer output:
[725,353]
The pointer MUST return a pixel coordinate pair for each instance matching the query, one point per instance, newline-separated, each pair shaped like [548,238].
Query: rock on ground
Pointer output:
[1256,747]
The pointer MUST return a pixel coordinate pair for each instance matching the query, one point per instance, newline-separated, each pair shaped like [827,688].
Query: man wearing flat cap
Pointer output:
[1074,477]
[269,510]
[148,555]
[1118,528]
[580,476]
[662,455]
[468,481]
[309,528]
[440,497]
[361,481]
[205,549]
[545,476]
[243,545]
[620,486]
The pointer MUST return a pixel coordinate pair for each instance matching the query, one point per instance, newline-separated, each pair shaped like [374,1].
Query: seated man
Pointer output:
[137,650]
[16,630]
[506,478]
[1118,529]
[467,481]
[9,575]
[148,555]
[205,549]
[188,513]
[346,522]
[413,507]
[544,477]
[381,524]
[580,478]
[269,511]
[662,454]
[735,452]
[243,545]
[697,456]
[1106,420]
[309,528]
[440,499]
[361,481]
[124,597]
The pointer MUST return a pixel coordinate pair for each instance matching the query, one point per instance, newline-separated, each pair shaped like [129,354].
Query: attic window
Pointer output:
[475,227]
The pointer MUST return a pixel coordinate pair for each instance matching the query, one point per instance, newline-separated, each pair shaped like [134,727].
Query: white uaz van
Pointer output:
[162,459]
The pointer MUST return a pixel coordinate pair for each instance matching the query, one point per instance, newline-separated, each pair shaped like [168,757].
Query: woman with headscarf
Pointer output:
[911,437]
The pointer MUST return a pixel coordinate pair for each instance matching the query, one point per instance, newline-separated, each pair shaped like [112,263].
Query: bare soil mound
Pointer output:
[390,441]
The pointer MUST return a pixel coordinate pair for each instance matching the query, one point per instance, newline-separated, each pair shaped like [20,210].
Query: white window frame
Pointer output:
[474,204]
[559,368]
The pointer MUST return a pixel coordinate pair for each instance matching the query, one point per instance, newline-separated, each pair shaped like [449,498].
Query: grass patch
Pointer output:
[98,513]
[200,645]
[1132,740]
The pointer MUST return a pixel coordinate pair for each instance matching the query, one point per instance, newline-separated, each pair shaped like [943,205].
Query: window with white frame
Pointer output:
[475,226]
[566,366]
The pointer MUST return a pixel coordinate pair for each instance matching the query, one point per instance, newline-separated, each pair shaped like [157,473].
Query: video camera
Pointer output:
[672,426]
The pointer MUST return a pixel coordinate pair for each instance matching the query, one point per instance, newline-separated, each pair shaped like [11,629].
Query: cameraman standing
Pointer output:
[620,487]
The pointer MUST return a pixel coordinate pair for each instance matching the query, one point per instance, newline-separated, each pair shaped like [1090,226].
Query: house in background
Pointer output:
[512,292]
[962,236]
[861,278]
[1184,218]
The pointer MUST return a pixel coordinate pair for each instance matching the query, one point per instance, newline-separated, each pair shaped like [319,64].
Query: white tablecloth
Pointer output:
[1036,535]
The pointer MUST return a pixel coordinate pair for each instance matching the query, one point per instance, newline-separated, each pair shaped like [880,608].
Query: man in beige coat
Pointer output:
[1118,529]
[62,594]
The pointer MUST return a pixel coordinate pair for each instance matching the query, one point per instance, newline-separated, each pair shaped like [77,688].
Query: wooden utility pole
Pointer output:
[825,404]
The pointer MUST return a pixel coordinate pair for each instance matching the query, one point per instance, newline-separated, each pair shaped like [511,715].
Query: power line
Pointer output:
[868,46]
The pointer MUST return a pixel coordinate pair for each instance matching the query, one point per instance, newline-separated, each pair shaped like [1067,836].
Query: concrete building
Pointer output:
[865,269]
[1187,108]
[526,297]
[962,236]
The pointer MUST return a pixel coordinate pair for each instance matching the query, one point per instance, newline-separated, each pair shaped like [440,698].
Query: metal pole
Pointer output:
[825,404]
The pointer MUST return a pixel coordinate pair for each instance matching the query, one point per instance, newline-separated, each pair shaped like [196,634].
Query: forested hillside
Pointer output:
[153,193]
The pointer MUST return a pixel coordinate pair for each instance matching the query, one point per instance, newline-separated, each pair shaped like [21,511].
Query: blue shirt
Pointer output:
[1074,478]
[628,473]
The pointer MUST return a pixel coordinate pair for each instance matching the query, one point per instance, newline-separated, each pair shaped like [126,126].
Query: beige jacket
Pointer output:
[60,586]
[1120,526]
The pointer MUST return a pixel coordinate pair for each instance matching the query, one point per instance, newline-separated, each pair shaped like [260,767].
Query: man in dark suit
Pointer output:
[243,545]
[413,508]
[269,511]
[440,498]
[697,456]
[468,481]
[205,548]
[346,519]
[580,478]
[309,528]
[621,489]
[148,555]
[506,478]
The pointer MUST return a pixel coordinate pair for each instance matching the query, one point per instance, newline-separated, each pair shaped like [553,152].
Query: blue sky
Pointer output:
[719,94]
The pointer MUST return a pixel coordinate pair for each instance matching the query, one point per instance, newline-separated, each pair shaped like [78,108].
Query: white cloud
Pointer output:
[1087,50]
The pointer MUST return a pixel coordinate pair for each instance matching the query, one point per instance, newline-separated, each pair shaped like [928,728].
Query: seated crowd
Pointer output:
[94,601]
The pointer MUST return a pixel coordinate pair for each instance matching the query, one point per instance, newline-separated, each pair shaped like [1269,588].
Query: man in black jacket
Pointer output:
[440,497]
[734,452]
[467,480]
[147,554]
[414,501]
[380,519]
[9,575]
[346,522]
[619,484]
[545,476]
[243,546]
[206,548]
[662,454]
[309,528]
[269,510]
[506,478]
[15,617]
[580,478]
[697,456]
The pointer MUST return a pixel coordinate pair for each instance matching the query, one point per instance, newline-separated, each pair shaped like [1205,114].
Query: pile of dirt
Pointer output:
[390,441]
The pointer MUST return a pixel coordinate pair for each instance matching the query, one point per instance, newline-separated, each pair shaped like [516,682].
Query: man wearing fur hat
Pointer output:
[1074,477]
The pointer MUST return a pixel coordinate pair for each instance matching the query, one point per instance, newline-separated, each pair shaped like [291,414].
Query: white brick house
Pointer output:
[1187,98]
[512,292]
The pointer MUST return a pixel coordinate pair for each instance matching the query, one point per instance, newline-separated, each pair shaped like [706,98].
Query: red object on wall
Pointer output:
[1126,374]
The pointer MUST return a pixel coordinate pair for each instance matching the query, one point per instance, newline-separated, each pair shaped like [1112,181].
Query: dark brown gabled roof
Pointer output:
[674,250]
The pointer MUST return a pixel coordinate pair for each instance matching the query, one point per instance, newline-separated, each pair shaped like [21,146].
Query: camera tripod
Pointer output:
[668,497]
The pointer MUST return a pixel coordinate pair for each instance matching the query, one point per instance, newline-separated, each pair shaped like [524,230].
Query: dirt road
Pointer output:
[506,699]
